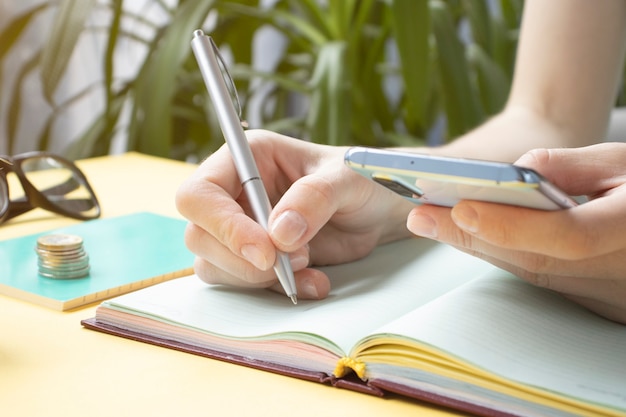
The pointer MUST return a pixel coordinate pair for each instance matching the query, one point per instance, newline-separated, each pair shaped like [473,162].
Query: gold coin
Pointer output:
[62,256]
[57,242]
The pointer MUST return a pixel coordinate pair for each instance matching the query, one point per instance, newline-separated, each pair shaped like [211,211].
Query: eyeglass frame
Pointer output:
[34,198]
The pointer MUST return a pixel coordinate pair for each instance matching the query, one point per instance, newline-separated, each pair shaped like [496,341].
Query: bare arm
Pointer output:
[568,67]
[567,72]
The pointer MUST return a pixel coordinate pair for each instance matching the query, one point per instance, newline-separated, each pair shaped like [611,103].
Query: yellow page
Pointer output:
[501,333]
[394,280]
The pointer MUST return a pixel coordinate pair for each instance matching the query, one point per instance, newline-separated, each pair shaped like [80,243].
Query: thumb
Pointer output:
[589,170]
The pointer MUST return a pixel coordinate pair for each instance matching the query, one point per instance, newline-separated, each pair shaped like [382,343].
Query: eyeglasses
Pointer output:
[48,181]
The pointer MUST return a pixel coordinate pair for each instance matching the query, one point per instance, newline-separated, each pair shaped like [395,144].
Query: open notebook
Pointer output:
[415,318]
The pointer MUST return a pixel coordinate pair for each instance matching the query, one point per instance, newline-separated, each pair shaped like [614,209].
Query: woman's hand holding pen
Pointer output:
[579,252]
[323,214]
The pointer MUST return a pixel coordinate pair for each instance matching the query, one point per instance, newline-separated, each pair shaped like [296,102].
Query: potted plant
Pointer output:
[373,72]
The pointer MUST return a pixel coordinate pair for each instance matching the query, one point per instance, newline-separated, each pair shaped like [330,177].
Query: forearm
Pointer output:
[569,64]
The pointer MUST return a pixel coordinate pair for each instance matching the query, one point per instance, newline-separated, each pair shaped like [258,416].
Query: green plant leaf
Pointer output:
[492,81]
[241,71]
[512,13]
[67,27]
[9,37]
[461,103]
[237,31]
[340,17]
[14,115]
[480,23]
[411,28]
[333,63]
[372,112]
[44,139]
[504,42]
[315,13]
[12,32]
[97,137]
[108,62]
[151,127]
[329,112]
[360,23]
[506,34]
[292,25]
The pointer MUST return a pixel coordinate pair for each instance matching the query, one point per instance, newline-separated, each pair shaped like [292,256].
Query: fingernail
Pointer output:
[298,261]
[466,218]
[288,228]
[422,225]
[255,256]
[308,289]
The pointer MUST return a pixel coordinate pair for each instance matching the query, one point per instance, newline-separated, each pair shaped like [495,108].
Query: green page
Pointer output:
[125,253]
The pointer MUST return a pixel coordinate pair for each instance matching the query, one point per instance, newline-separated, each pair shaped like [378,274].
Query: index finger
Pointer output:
[209,200]
[591,229]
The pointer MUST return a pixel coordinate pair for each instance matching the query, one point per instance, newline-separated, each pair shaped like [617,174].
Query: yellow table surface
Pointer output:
[51,366]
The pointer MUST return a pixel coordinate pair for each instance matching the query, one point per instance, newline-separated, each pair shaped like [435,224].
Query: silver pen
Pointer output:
[207,56]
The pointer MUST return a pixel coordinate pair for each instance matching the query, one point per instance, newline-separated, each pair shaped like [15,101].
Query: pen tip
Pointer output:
[294,299]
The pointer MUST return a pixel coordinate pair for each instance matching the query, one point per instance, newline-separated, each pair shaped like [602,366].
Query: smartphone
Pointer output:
[444,181]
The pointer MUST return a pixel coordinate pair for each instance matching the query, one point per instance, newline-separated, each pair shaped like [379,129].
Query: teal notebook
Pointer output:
[126,253]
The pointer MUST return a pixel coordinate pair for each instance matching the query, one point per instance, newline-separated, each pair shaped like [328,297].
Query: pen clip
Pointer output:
[230,84]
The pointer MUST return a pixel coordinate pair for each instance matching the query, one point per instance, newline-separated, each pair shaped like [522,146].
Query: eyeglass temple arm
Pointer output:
[21,206]
[62,189]
[82,204]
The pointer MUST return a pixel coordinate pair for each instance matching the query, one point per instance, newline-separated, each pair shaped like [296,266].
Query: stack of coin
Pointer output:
[62,256]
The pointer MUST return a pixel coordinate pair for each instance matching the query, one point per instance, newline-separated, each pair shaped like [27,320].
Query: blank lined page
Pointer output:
[527,334]
[397,278]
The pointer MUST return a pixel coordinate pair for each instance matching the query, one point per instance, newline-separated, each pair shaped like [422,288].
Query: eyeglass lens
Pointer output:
[4,196]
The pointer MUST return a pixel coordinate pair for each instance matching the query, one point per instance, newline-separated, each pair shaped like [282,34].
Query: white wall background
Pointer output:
[83,70]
